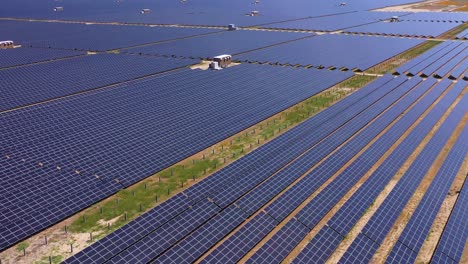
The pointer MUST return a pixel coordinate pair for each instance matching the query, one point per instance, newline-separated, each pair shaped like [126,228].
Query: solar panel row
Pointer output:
[336,22]
[36,83]
[236,246]
[93,37]
[200,241]
[319,206]
[300,165]
[85,127]
[463,35]
[228,42]
[417,229]
[460,73]
[200,190]
[297,194]
[382,221]
[404,28]
[309,132]
[332,50]
[441,17]
[166,235]
[21,56]
[202,12]
[352,210]
[453,240]
[439,61]
[290,199]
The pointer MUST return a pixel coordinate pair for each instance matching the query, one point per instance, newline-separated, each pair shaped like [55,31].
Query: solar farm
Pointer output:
[253,131]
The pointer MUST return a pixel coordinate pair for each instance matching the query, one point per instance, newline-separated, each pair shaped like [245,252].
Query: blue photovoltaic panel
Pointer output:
[431,64]
[439,48]
[458,72]
[438,17]
[382,221]
[301,165]
[297,140]
[463,35]
[109,134]
[202,239]
[237,245]
[162,238]
[333,50]
[452,63]
[129,234]
[22,56]
[401,254]
[315,210]
[320,247]
[360,100]
[336,22]
[441,258]
[364,250]
[282,243]
[91,37]
[228,42]
[294,196]
[22,86]
[417,229]
[455,234]
[352,210]
[201,12]
[404,28]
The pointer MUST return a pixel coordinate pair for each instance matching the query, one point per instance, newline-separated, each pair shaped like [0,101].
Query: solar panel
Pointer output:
[92,37]
[357,204]
[22,56]
[65,77]
[229,42]
[294,196]
[382,221]
[236,246]
[281,244]
[85,126]
[453,239]
[347,51]
[202,239]
[300,130]
[162,238]
[320,247]
[337,21]
[417,229]
[404,28]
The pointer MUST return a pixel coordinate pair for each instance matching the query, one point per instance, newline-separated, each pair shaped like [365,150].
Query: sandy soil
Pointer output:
[427,6]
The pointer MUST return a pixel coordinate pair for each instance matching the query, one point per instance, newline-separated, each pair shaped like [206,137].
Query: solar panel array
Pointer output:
[93,37]
[338,51]
[438,61]
[89,109]
[463,35]
[451,244]
[422,219]
[336,22]
[202,12]
[350,212]
[305,131]
[223,43]
[17,57]
[84,125]
[382,221]
[404,28]
[440,17]
[215,240]
[23,86]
